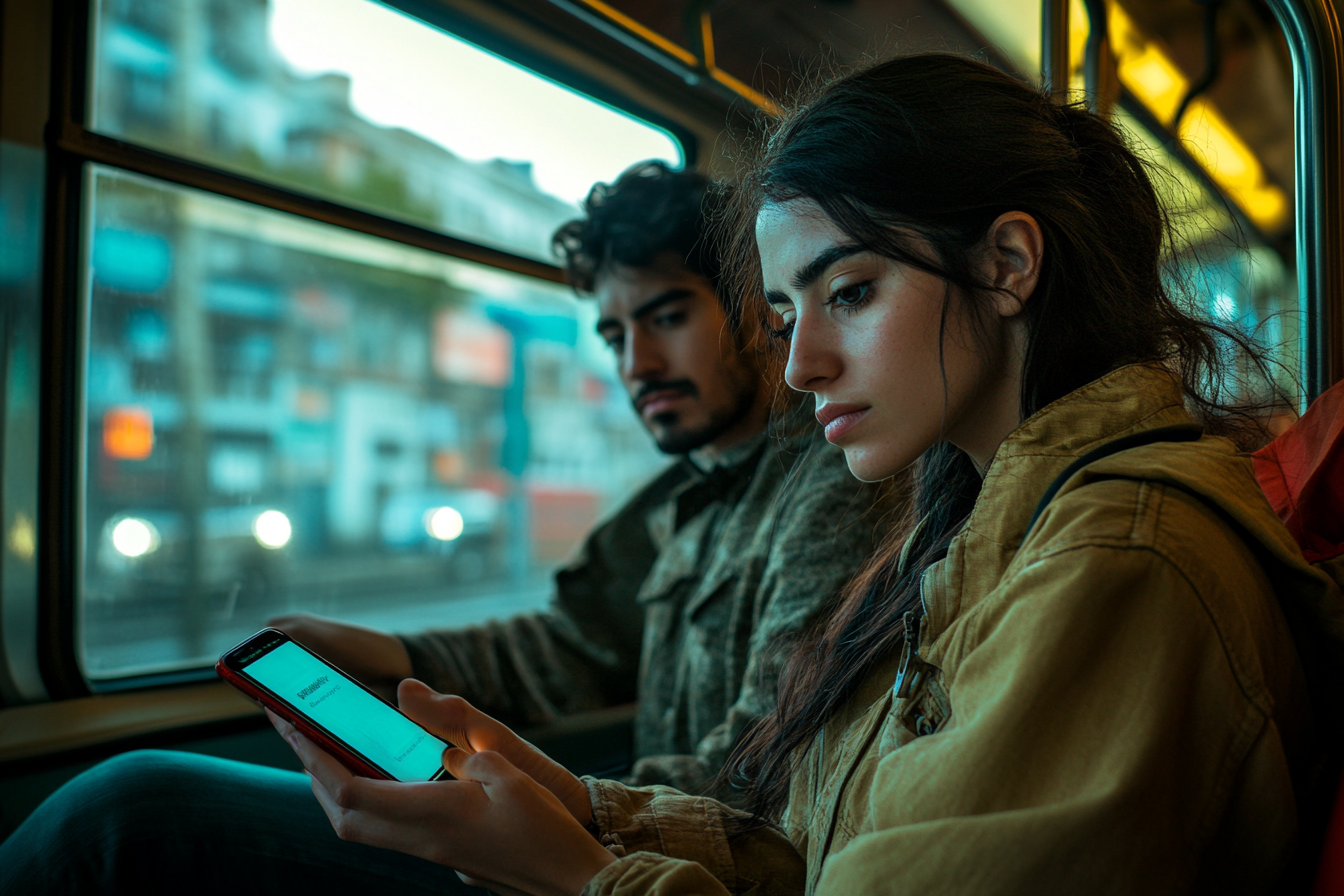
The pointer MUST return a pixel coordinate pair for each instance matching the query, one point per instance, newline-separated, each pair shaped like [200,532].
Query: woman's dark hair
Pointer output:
[928,151]
[650,209]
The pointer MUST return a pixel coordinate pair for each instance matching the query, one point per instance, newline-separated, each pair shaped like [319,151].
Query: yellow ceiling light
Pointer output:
[1150,75]
[1145,68]
[1213,142]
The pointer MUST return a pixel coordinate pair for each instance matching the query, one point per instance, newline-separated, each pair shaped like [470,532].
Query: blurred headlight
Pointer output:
[443,523]
[134,537]
[272,530]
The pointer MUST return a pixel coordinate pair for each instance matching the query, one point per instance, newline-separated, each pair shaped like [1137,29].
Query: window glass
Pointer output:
[357,102]
[285,416]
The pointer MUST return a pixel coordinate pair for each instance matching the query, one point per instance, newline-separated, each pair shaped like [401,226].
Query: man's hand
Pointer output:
[513,821]
[378,659]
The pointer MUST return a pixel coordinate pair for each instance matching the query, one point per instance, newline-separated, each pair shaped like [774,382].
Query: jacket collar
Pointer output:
[1131,399]
[722,480]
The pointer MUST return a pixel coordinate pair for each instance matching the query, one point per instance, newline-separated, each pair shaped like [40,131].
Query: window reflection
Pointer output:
[286,416]
[357,102]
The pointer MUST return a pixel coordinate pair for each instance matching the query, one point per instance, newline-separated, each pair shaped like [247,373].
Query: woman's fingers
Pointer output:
[487,767]
[451,718]
[279,724]
[324,767]
[472,731]
[472,824]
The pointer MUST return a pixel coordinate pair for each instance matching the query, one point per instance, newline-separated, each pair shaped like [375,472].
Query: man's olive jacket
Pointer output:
[684,599]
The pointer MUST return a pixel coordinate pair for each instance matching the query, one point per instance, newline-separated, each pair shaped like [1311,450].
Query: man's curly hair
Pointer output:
[649,210]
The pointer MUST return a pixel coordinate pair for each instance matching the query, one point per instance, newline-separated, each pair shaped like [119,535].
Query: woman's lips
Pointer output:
[843,424]
[840,419]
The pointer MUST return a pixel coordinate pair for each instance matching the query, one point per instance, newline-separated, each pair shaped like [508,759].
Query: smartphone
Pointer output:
[370,736]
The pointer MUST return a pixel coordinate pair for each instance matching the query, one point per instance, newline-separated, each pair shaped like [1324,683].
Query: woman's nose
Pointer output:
[812,362]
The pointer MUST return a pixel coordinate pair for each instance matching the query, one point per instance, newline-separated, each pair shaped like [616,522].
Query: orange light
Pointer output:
[128,433]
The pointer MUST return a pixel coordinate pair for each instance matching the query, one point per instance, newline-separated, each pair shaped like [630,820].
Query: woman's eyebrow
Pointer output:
[775,297]
[808,273]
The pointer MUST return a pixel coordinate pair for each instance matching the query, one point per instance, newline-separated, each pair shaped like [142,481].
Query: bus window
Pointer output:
[1226,175]
[281,415]
[285,416]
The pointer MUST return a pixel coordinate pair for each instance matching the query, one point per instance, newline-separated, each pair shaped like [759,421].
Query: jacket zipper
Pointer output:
[912,667]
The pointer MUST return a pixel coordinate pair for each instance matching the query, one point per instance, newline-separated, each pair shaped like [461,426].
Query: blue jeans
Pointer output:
[162,822]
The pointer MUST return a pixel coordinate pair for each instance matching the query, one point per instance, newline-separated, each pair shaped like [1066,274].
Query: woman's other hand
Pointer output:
[376,658]
[513,821]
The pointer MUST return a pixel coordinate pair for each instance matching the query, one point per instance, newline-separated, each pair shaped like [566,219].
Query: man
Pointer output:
[683,598]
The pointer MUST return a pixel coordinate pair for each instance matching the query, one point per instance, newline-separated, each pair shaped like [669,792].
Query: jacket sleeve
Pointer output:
[823,527]
[1100,728]
[583,653]
[671,844]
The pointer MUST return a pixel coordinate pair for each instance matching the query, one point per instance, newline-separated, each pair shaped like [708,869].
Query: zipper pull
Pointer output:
[912,667]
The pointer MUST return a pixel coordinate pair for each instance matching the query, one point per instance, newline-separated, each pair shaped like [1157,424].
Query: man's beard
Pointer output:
[675,439]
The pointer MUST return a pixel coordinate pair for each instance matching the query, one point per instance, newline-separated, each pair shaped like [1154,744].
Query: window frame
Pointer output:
[1315,41]
[70,147]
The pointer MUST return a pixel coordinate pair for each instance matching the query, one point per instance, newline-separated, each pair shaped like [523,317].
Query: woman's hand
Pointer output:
[376,658]
[498,825]
[472,731]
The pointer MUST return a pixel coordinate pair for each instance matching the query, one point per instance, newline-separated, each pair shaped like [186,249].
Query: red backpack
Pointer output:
[1302,474]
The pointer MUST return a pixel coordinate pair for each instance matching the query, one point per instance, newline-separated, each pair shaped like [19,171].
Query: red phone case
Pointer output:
[344,754]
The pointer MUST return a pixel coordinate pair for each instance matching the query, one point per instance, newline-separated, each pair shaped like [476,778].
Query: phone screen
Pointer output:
[384,736]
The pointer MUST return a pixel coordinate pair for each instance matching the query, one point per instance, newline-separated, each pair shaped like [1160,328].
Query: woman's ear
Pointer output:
[1013,248]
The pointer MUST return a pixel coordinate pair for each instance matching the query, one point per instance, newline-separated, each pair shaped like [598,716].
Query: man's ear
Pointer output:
[1013,246]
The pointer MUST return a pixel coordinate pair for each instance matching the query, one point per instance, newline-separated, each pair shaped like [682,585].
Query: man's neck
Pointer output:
[724,450]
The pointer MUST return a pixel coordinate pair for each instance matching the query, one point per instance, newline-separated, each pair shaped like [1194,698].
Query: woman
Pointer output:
[1114,695]
[1104,697]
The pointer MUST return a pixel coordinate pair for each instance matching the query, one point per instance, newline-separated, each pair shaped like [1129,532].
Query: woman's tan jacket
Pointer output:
[1115,705]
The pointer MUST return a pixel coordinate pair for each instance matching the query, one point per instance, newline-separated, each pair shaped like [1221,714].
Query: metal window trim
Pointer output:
[1055,49]
[1312,31]
[57,547]
[88,146]
[457,19]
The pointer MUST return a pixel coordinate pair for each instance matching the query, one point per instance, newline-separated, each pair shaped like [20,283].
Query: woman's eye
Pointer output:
[850,296]
[782,332]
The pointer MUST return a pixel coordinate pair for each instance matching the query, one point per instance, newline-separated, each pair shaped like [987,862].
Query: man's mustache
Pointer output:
[686,387]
